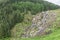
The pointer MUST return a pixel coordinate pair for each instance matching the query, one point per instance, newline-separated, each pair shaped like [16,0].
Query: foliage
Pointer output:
[13,11]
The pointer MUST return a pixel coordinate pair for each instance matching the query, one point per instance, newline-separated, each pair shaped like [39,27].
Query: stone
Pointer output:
[40,23]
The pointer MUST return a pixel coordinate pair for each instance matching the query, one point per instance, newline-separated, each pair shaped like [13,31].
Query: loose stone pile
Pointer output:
[40,23]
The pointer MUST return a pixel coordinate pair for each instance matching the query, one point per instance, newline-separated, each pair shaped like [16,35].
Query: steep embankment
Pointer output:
[55,35]
[40,23]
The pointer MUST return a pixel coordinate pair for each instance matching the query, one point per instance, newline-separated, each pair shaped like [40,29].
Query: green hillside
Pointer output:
[55,35]
[17,14]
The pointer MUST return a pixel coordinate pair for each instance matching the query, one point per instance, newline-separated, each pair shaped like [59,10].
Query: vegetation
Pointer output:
[14,11]
[55,35]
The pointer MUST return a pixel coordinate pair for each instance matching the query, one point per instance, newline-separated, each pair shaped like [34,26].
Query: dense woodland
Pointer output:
[13,11]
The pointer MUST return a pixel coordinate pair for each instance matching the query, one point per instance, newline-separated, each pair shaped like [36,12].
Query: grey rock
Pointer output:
[39,24]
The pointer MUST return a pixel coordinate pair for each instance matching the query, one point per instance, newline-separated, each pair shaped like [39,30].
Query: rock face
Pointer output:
[40,23]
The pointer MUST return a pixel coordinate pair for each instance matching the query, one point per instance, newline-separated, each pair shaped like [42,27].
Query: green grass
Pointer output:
[55,35]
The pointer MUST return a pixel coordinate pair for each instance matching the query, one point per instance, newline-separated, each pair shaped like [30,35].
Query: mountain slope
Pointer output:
[55,35]
[14,11]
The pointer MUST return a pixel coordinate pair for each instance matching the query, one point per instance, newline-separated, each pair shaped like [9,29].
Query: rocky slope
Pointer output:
[40,24]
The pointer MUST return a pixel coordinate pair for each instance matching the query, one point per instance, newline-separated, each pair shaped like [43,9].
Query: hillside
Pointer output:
[16,15]
[55,35]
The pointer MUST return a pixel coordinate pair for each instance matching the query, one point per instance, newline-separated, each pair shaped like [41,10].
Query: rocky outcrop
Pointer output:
[40,23]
